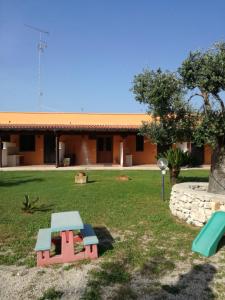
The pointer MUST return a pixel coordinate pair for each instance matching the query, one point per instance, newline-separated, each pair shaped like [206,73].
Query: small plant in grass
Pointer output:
[68,267]
[30,262]
[51,294]
[29,205]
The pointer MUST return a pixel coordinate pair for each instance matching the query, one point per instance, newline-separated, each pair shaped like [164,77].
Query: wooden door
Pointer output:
[197,154]
[49,148]
[104,149]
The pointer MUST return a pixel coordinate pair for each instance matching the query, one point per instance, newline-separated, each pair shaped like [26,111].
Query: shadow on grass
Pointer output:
[40,208]
[192,179]
[192,285]
[110,273]
[105,239]
[15,182]
[221,244]
[157,266]
[43,208]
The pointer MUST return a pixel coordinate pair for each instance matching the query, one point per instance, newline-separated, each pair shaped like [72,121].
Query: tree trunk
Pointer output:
[174,173]
[217,172]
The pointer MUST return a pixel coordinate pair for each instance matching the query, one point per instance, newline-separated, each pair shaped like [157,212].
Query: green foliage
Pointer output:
[205,70]
[51,294]
[204,73]
[172,116]
[29,205]
[161,91]
[176,158]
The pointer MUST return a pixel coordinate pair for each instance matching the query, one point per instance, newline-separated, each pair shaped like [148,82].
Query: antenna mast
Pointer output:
[41,46]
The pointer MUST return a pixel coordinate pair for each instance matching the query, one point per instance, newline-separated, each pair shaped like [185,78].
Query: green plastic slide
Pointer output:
[208,238]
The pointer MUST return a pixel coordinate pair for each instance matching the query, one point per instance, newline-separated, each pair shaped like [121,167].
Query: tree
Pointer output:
[172,116]
[204,73]
[174,119]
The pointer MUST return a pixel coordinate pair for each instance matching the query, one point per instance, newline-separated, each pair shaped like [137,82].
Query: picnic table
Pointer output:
[72,231]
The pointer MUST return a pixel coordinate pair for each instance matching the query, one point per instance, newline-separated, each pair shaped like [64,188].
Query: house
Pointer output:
[37,138]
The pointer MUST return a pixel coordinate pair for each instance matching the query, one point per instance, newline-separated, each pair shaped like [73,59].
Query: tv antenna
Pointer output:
[42,45]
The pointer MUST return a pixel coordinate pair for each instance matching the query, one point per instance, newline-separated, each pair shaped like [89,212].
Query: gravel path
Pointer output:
[21,283]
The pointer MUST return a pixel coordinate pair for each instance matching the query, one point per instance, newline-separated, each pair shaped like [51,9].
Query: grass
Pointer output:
[51,294]
[135,225]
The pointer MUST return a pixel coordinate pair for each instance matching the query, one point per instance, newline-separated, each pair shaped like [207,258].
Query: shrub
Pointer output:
[29,205]
[176,159]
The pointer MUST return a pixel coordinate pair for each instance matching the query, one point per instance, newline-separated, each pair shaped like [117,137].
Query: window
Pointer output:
[5,138]
[104,144]
[27,142]
[139,143]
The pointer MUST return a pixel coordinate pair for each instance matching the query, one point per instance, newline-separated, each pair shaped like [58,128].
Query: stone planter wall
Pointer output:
[191,202]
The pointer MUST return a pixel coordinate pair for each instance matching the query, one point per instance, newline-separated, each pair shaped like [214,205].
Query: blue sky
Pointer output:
[96,47]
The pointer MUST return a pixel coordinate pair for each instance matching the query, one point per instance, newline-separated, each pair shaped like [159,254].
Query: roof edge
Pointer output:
[70,113]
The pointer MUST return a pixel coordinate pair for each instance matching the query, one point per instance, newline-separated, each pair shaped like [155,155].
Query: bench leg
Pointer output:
[43,258]
[91,251]
[67,253]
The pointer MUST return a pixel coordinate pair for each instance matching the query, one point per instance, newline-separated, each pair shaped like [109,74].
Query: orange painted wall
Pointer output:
[85,152]
[207,154]
[31,157]
[78,145]
[83,148]
[148,156]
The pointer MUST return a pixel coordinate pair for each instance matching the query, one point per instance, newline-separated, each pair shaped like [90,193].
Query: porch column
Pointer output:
[1,152]
[57,150]
[122,152]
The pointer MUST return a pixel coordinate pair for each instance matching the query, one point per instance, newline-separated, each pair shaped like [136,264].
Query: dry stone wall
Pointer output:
[191,202]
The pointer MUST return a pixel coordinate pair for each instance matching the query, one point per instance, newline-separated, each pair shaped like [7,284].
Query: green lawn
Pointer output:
[131,212]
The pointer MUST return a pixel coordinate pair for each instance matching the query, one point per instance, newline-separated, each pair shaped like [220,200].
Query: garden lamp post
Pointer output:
[163,164]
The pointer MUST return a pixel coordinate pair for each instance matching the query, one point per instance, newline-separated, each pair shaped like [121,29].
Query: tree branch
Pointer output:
[196,94]
[220,101]
[207,104]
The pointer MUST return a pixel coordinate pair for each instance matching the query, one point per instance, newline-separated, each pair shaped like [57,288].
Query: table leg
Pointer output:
[67,246]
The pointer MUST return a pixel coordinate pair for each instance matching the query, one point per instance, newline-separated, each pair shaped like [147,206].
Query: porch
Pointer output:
[96,167]
[75,150]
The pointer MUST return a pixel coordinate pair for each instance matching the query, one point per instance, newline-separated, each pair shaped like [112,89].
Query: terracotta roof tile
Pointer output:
[78,121]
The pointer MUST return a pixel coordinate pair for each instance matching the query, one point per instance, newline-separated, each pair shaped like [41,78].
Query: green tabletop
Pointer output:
[63,221]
